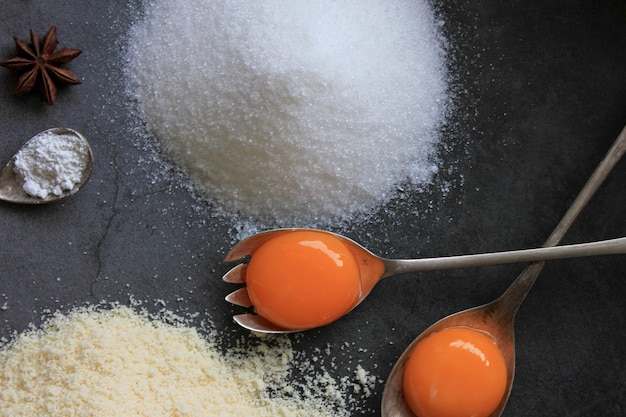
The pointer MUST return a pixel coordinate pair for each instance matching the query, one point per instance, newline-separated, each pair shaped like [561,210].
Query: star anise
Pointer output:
[39,64]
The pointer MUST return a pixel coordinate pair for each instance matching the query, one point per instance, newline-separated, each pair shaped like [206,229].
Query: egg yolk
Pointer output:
[303,279]
[455,372]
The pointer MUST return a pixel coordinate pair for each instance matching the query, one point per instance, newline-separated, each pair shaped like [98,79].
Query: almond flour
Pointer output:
[119,362]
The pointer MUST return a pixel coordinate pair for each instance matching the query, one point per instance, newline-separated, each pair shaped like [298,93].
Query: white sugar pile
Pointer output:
[292,111]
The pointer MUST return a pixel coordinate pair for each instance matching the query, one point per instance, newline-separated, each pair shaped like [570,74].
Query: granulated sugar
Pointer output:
[292,111]
[119,362]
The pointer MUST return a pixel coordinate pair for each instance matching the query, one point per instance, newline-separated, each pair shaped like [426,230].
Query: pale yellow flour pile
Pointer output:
[118,362]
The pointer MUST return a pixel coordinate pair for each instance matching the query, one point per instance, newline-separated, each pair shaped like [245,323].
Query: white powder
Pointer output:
[292,110]
[51,163]
[119,362]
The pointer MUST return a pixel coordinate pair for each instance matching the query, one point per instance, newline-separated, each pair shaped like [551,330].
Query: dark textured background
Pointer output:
[541,95]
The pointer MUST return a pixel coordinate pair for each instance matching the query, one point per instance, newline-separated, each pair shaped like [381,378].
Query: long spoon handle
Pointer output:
[517,291]
[605,167]
[604,247]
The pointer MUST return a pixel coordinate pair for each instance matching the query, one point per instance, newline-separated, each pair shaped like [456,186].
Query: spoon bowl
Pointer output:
[497,317]
[494,318]
[11,189]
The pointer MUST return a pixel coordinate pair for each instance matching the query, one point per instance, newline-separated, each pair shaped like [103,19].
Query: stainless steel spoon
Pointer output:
[11,188]
[373,268]
[497,318]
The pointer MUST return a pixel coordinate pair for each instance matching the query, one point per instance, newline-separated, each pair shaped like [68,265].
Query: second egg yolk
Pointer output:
[303,279]
[455,372]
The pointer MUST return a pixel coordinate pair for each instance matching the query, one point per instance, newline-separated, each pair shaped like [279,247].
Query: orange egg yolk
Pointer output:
[303,279]
[455,372]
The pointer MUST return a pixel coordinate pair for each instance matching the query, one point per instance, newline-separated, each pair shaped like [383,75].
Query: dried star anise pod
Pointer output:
[39,63]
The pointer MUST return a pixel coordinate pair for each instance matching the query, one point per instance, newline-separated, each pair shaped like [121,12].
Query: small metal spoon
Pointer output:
[11,190]
[497,318]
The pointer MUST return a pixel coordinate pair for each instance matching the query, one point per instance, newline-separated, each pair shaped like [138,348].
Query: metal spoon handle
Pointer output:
[517,291]
[604,247]
[605,167]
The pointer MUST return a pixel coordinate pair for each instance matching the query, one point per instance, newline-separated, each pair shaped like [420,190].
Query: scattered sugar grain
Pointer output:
[292,111]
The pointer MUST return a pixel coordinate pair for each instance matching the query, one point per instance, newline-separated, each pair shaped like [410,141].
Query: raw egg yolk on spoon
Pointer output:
[303,280]
[455,372]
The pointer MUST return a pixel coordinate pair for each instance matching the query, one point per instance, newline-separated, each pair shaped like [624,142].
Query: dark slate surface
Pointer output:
[541,95]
